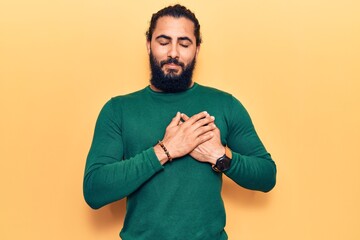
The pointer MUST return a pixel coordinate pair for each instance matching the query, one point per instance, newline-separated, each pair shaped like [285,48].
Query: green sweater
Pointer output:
[182,199]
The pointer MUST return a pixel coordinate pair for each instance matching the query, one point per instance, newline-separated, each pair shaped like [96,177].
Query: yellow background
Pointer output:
[293,64]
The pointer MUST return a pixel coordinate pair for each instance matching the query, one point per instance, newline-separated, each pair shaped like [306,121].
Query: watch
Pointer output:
[222,164]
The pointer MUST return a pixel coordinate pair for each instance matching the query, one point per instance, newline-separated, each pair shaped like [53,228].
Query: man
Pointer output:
[167,146]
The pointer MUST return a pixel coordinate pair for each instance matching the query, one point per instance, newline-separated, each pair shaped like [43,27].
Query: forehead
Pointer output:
[174,27]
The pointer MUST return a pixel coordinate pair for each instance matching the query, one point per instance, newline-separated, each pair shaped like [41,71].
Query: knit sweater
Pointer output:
[181,199]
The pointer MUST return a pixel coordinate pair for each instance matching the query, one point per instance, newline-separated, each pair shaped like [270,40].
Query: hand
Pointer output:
[182,137]
[210,150]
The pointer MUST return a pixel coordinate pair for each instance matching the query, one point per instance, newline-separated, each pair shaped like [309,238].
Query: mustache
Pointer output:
[172,60]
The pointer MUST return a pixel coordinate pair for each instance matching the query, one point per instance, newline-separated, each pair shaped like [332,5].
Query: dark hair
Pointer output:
[175,11]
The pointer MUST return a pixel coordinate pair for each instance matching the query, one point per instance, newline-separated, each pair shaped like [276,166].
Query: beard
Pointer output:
[171,82]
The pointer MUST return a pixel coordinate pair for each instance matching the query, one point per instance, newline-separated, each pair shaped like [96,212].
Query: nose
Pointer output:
[173,51]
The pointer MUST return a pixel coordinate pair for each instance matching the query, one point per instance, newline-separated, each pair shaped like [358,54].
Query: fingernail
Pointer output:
[212,117]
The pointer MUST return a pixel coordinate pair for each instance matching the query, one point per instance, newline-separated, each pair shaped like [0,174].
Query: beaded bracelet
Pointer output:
[165,150]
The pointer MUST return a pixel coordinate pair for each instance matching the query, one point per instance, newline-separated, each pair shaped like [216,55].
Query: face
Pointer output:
[172,52]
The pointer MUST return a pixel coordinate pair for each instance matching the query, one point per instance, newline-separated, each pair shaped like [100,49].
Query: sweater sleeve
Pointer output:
[252,166]
[108,177]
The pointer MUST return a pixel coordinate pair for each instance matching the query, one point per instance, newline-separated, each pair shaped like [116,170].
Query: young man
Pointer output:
[167,146]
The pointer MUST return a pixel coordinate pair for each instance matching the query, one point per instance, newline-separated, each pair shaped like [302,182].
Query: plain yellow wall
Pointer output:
[293,63]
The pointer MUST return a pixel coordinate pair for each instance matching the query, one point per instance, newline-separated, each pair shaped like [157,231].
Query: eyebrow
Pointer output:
[185,39]
[169,38]
[163,36]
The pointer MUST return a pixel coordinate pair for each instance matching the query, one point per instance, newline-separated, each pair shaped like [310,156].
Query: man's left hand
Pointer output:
[210,150]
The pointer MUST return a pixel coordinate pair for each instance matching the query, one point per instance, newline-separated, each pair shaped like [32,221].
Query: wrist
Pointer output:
[223,163]
[160,154]
[218,154]
[164,154]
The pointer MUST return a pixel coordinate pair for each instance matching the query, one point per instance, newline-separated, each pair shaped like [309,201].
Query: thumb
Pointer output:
[175,121]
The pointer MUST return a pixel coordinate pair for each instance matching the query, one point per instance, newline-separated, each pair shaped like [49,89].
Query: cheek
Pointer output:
[188,57]
[158,52]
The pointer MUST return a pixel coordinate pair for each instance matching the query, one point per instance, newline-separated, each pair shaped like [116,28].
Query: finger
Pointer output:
[184,117]
[204,137]
[175,121]
[215,127]
[197,117]
[204,129]
[217,130]
[212,124]
[206,120]
[203,122]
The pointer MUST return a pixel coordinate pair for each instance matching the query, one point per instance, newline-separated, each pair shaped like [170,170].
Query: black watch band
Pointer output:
[222,164]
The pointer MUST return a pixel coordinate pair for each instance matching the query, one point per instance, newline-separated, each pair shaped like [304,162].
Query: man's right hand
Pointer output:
[182,137]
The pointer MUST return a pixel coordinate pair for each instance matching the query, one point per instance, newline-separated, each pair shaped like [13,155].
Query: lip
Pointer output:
[172,65]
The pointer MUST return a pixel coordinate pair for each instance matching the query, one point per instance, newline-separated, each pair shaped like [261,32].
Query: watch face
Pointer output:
[223,163]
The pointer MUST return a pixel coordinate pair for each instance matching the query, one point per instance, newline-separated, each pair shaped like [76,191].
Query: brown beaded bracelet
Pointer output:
[165,150]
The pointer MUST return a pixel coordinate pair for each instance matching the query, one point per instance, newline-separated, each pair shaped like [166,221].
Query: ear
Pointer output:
[148,47]
[197,50]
